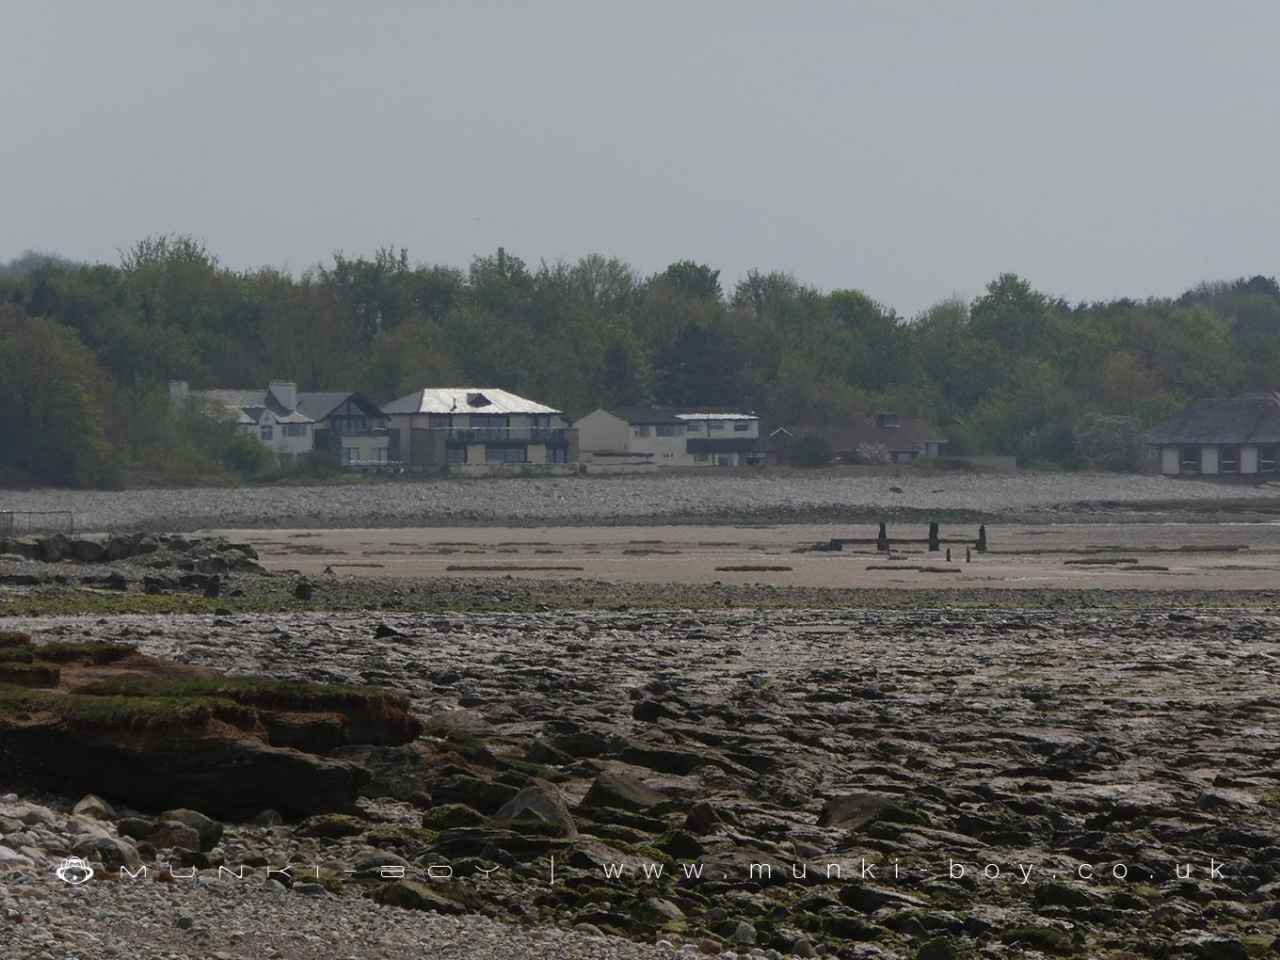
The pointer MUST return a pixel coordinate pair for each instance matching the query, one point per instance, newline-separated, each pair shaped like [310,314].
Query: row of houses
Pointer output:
[478,430]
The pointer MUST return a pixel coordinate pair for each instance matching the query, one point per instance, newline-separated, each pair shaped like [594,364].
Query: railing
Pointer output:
[15,523]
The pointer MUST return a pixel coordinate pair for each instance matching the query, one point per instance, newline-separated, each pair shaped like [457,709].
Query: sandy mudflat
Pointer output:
[1061,556]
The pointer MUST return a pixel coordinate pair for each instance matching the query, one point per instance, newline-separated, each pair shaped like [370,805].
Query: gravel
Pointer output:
[46,920]
[751,496]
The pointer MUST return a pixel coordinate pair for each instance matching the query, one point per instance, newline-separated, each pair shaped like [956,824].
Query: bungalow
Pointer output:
[887,435]
[1235,436]
[477,430]
[670,437]
[350,428]
[270,416]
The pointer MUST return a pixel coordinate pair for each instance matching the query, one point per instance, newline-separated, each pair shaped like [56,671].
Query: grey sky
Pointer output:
[913,150]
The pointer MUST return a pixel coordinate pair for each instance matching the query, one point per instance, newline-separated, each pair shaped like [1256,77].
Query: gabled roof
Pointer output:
[464,400]
[1251,418]
[247,406]
[320,403]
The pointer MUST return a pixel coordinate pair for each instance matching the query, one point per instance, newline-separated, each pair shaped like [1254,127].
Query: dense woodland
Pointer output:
[86,351]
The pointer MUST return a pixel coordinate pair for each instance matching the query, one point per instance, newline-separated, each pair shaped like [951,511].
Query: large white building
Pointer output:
[477,430]
[667,437]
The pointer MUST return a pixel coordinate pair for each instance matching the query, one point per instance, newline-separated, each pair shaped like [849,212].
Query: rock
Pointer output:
[663,909]
[331,825]
[486,796]
[135,828]
[303,590]
[11,858]
[228,776]
[88,551]
[54,548]
[702,819]
[310,889]
[449,815]
[852,811]
[613,788]
[109,851]
[384,631]
[1211,946]
[413,895]
[208,829]
[648,711]
[540,801]
[94,807]
[171,834]
[1051,894]
[267,818]
[940,948]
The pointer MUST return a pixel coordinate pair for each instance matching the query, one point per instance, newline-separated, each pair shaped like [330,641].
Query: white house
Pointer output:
[350,428]
[270,416]
[668,437]
[477,430]
[1226,437]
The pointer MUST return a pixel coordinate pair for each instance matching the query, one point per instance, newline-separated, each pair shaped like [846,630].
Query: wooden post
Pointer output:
[882,538]
[982,538]
[948,554]
[967,557]
[934,546]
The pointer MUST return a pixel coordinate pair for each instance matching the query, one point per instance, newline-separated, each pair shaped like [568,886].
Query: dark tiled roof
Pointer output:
[1251,418]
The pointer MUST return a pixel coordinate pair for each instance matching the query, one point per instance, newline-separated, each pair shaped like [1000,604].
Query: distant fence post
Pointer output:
[934,546]
[882,538]
[982,538]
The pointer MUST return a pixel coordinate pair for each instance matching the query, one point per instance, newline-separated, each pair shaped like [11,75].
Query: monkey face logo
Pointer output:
[74,871]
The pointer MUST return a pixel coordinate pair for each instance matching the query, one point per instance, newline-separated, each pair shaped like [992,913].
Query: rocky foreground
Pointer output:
[746,495]
[854,783]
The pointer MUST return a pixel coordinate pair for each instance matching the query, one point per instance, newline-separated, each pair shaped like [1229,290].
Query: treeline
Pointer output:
[86,351]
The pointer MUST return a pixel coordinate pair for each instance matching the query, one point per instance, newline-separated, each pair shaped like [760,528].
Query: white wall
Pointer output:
[280,444]
[367,448]
[601,430]
[1170,461]
[1208,459]
[1248,459]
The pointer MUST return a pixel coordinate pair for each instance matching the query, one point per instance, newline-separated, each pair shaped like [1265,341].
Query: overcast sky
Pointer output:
[913,150]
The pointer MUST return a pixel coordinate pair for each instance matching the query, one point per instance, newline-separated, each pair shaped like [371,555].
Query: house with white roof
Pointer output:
[478,430]
[270,416]
[670,437]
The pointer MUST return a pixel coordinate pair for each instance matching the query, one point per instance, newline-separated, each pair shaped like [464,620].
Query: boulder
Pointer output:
[88,551]
[208,829]
[539,801]
[613,788]
[94,807]
[412,895]
[853,811]
[53,548]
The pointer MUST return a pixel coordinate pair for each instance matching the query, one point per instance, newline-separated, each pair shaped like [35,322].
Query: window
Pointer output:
[693,428]
[295,429]
[1267,459]
[505,455]
[438,421]
[381,454]
[267,432]
[742,426]
[668,430]
[642,430]
[700,458]
[1190,459]
[1229,460]
[714,425]
[559,455]
[350,454]
[456,455]
[351,424]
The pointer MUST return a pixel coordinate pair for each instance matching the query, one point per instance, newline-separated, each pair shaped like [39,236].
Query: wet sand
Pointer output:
[1064,556]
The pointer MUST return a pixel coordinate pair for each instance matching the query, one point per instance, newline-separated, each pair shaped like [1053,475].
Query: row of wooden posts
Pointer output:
[935,540]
